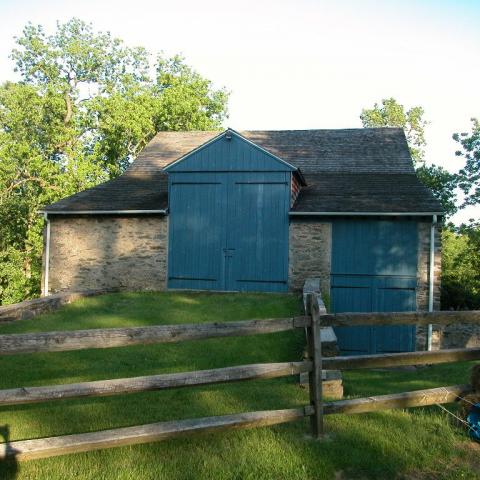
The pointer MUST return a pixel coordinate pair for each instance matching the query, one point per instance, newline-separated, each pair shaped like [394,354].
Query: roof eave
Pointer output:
[354,214]
[163,211]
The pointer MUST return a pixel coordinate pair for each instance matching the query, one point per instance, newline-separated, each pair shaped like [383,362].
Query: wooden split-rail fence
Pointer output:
[317,367]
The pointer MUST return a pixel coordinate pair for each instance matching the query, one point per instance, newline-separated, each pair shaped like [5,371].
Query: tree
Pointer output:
[461,269]
[469,176]
[85,106]
[392,114]
[442,183]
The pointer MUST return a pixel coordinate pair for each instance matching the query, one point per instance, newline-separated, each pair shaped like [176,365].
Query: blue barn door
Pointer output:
[257,232]
[197,231]
[229,231]
[374,266]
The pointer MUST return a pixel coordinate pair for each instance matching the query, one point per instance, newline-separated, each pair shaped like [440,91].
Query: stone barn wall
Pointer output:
[108,252]
[310,247]
[423,266]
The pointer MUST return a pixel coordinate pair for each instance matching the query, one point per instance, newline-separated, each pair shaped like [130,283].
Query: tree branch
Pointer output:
[68,104]
[17,184]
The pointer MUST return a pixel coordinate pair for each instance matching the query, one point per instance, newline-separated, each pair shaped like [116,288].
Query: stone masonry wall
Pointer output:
[423,266]
[423,273]
[310,246]
[101,253]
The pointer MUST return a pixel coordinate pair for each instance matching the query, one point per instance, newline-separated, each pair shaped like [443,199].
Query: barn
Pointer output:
[260,211]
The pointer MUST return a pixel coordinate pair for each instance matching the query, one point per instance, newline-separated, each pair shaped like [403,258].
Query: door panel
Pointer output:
[196,232]
[352,295]
[374,269]
[257,233]
[374,247]
[394,295]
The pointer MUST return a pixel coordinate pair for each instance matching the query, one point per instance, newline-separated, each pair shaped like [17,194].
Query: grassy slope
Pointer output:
[419,443]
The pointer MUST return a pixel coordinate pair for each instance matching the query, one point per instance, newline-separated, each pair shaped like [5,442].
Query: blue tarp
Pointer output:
[473,419]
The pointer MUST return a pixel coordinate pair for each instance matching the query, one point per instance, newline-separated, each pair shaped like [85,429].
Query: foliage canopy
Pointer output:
[85,106]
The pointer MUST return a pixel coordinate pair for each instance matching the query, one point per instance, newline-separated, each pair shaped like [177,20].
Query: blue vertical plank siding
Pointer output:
[257,232]
[228,227]
[196,233]
[234,155]
[374,265]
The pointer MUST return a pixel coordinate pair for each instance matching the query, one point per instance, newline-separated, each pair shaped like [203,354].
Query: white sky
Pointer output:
[305,63]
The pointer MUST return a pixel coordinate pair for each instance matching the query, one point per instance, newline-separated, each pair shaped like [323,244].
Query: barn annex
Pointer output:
[260,211]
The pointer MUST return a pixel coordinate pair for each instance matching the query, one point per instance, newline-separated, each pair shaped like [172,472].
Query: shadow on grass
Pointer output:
[8,465]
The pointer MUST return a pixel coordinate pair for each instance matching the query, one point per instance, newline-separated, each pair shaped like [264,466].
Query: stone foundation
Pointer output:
[108,252]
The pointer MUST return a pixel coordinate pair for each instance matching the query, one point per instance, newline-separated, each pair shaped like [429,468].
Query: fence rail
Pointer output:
[120,337]
[315,365]
[153,432]
[401,359]
[400,318]
[102,388]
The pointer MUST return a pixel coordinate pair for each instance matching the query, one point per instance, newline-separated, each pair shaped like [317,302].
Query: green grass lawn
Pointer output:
[413,444]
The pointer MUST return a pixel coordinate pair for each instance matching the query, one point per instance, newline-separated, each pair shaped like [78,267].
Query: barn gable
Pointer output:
[229,152]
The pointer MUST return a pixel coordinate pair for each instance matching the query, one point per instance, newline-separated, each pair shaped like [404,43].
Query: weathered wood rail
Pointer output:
[315,365]
[400,318]
[102,388]
[402,359]
[122,337]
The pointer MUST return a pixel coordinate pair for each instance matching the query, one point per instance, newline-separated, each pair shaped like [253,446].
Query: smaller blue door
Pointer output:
[374,264]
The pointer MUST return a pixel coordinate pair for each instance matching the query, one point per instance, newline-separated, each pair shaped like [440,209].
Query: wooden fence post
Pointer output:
[315,376]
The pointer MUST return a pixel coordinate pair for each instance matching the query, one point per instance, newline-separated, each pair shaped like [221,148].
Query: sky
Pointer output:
[301,64]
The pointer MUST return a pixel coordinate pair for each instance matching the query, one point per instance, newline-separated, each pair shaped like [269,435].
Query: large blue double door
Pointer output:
[374,266]
[229,231]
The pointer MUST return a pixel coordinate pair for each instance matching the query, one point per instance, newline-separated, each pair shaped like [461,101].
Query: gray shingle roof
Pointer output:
[126,192]
[347,170]
[355,150]
[343,192]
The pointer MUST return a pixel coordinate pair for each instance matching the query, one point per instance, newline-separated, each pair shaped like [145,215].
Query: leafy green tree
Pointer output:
[85,106]
[442,183]
[392,114]
[469,176]
[461,269]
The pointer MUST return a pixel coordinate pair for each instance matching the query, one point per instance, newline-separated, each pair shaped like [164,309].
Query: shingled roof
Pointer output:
[348,170]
